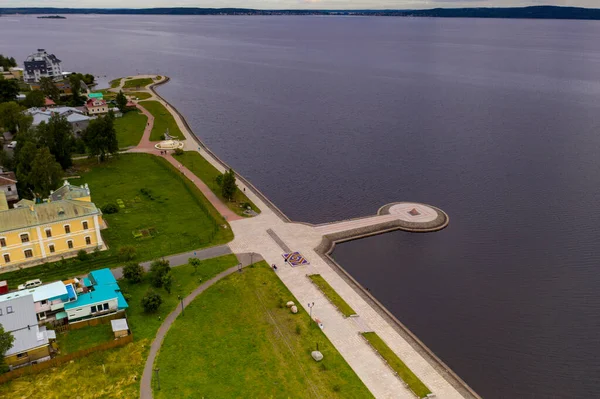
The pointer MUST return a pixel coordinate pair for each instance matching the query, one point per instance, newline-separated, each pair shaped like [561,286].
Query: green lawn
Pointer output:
[413,382]
[175,213]
[84,338]
[238,339]
[208,173]
[141,95]
[116,373]
[115,83]
[333,296]
[163,120]
[141,82]
[130,128]
[184,281]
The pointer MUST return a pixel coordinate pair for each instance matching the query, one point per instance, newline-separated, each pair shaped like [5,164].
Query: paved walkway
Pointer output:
[146,383]
[251,235]
[182,259]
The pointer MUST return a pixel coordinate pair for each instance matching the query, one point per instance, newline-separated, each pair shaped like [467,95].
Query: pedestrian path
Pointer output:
[182,259]
[146,383]
[263,234]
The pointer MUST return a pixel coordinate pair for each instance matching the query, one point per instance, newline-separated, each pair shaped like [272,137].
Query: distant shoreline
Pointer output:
[533,12]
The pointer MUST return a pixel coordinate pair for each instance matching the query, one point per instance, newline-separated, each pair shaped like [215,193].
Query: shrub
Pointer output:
[127,252]
[133,272]
[178,151]
[195,262]
[158,269]
[82,255]
[110,208]
[151,301]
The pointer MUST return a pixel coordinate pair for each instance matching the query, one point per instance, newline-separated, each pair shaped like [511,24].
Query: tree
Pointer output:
[228,187]
[7,63]
[8,90]
[195,262]
[10,113]
[121,101]
[151,301]
[57,135]
[35,98]
[45,173]
[167,281]
[75,83]
[100,137]
[158,269]
[6,342]
[49,89]
[126,252]
[133,272]
[88,79]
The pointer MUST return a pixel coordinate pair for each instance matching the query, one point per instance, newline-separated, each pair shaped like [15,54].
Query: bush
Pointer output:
[133,272]
[151,301]
[158,269]
[82,255]
[178,151]
[110,208]
[167,281]
[127,252]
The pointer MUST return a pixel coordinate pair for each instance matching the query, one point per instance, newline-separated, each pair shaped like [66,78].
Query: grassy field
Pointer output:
[184,282]
[84,338]
[130,128]
[333,296]
[141,95]
[116,373]
[238,339]
[175,203]
[172,210]
[115,83]
[413,382]
[141,82]
[163,120]
[208,173]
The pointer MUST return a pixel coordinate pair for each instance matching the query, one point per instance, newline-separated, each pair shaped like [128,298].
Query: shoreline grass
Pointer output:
[208,173]
[130,128]
[135,83]
[238,339]
[115,83]
[413,382]
[333,296]
[141,95]
[163,120]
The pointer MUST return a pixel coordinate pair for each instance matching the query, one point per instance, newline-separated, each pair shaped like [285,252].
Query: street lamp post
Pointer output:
[251,258]
[181,299]
[239,265]
[157,378]
[310,306]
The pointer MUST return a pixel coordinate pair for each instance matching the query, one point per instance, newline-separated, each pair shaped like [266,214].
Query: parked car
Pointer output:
[30,284]
[12,144]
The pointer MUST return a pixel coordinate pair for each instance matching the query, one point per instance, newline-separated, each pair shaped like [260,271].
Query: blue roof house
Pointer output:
[104,297]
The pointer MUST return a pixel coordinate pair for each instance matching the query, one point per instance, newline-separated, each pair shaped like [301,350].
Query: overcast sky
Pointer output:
[279,4]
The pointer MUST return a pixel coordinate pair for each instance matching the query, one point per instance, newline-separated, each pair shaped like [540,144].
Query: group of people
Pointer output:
[163,152]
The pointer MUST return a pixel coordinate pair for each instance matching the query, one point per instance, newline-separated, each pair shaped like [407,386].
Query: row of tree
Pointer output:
[42,153]
[7,63]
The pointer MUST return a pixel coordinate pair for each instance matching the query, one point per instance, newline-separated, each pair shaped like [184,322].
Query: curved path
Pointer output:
[146,383]
[271,234]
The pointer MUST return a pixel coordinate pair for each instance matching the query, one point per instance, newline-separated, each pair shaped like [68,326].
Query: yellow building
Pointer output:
[35,233]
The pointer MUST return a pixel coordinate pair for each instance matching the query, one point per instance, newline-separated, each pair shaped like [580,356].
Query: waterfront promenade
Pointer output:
[271,234]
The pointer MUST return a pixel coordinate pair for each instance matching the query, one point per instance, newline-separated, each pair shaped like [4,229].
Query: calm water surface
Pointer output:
[495,121]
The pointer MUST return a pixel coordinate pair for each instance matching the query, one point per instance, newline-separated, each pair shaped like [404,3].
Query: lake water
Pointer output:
[495,121]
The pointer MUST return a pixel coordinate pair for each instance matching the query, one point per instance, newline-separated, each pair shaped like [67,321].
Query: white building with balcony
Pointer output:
[41,64]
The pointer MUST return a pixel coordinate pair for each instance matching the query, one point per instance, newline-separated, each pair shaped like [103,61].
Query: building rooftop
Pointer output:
[104,287]
[43,292]
[21,321]
[44,213]
[69,191]
[7,178]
